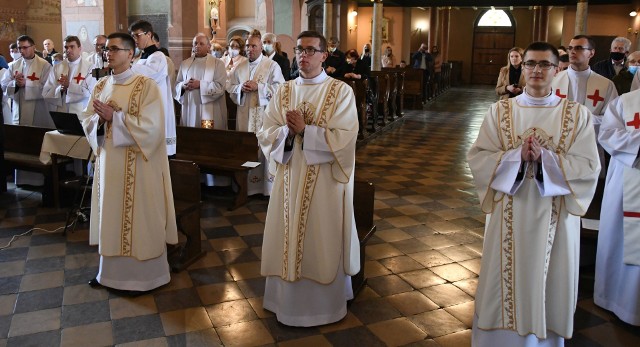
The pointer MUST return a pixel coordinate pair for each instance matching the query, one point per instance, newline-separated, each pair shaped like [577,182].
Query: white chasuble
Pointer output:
[81,83]
[617,281]
[631,186]
[132,212]
[529,277]
[310,219]
[29,108]
[207,103]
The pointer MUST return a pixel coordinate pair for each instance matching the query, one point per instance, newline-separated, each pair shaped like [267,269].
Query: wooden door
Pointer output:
[490,48]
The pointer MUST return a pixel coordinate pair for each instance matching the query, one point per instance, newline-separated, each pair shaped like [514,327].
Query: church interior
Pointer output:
[422,262]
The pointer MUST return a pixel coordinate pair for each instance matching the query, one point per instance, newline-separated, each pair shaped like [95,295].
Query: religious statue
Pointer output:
[214,15]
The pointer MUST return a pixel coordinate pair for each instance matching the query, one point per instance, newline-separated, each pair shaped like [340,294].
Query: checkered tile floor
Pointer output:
[422,264]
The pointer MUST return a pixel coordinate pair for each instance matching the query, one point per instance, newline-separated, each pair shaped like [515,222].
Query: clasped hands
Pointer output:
[531,149]
[63,81]
[514,89]
[295,122]
[20,80]
[104,110]
[192,84]
[249,86]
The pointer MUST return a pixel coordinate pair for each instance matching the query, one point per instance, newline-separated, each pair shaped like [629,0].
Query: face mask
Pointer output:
[234,52]
[16,56]
[268,48]
[332,49]
[617,56]
[217,54]
[55,62]
[366,50]
[137,52]
[633,69]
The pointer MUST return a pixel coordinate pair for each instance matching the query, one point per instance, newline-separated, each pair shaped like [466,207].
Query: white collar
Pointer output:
[122,77]
[74,63]
[315,80]
[257,61]
[577,74]
[526,99]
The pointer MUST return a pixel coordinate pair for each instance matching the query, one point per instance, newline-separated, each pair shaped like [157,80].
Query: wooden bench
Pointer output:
[398,102]
[381,103]
[413,86]
[22,146]
[220,152]
[363,198]
[185,183]
[360,89]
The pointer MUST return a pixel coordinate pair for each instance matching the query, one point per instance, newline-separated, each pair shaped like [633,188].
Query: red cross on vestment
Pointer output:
[560,95]
[635,122]
[595,97]
[33,77]
[78,78]
[632,214]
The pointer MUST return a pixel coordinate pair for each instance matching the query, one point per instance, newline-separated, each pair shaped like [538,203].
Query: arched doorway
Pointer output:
[316,16]
[493,37]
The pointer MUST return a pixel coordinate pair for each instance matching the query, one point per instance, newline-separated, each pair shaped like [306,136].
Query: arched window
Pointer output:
[316,18]
[495,18]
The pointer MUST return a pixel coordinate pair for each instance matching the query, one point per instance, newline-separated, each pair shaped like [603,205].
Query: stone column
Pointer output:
[581,18]
[543,23]
[326,19]
[434,27]
[376,37]
[445,20]
[534,26]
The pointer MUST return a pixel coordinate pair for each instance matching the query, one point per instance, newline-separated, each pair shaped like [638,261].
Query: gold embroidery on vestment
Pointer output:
[128,202]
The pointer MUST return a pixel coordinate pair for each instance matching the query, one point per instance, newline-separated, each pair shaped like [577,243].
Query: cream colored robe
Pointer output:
[310,221]
[29,107]
[529,278]
[132,212]
[81,83]
[208,102]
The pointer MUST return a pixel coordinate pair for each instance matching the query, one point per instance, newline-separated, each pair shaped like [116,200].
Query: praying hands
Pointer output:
[531,149]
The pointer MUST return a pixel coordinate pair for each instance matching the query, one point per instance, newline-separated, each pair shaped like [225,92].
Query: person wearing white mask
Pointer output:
[268,44]
[14,52]
[236,54]
[624,78]
[336,60]
[216,49]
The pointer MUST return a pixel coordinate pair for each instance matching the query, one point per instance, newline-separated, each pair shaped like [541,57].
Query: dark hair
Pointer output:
[155,37]
[127,40]
[592,43]
[543,47]
[317,35]
[141,24]
[13,45]
[564,58]
[27,38]
[352,53]
[562,48]
[72,38]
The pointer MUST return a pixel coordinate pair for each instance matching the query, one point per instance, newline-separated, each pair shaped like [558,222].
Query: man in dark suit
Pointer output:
[335,63]
[617,56]
[422,59]
[269,46]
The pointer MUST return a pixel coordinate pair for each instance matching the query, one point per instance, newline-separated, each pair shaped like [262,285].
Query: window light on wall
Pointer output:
[494,18]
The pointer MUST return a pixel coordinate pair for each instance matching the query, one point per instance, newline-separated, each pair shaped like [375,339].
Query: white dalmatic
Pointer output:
[81,83]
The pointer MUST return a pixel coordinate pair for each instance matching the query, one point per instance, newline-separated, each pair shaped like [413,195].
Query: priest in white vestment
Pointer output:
[251,86]
[200,89]
[153,64]
[535,165]
[132,211]
[617,282]
[310,247]
[70,82]
[23,82]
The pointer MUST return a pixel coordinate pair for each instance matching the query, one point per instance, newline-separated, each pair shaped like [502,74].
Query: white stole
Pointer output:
[631,187]
[260,75]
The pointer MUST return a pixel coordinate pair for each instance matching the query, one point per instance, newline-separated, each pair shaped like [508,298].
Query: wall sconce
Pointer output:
[353,27]
[353,13]
[633,13]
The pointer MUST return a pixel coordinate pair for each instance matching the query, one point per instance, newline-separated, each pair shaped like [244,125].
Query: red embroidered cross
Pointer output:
[595,97]
[560,95]
[78,78]
[635,122]
[33,77]
[632,214]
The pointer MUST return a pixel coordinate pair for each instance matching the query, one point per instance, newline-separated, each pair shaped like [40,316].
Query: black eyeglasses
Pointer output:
[577,48]
[22,48]
[113,49]
[544,65]
[308,51]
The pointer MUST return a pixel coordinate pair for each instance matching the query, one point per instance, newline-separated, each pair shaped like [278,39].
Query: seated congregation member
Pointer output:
[251,86]
[153,64]
[617,280]
[535,165]
[355,68]
[70,82]
[511,78]
[132,212]
[310,248]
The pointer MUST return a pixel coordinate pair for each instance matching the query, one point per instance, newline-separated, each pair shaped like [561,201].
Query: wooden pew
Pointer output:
[220,152]
[393,92]
[22,145]
[413,86]
[232,111]
[363,198]
[399,95]
[381,103]
[185,183]
[360,89]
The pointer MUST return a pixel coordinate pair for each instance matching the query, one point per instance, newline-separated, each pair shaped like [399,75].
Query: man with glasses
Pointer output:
[535,166]
[70,83]
[310,248]
[153,64]
[132,212]
[251,86]
[23,83]
[97,57]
